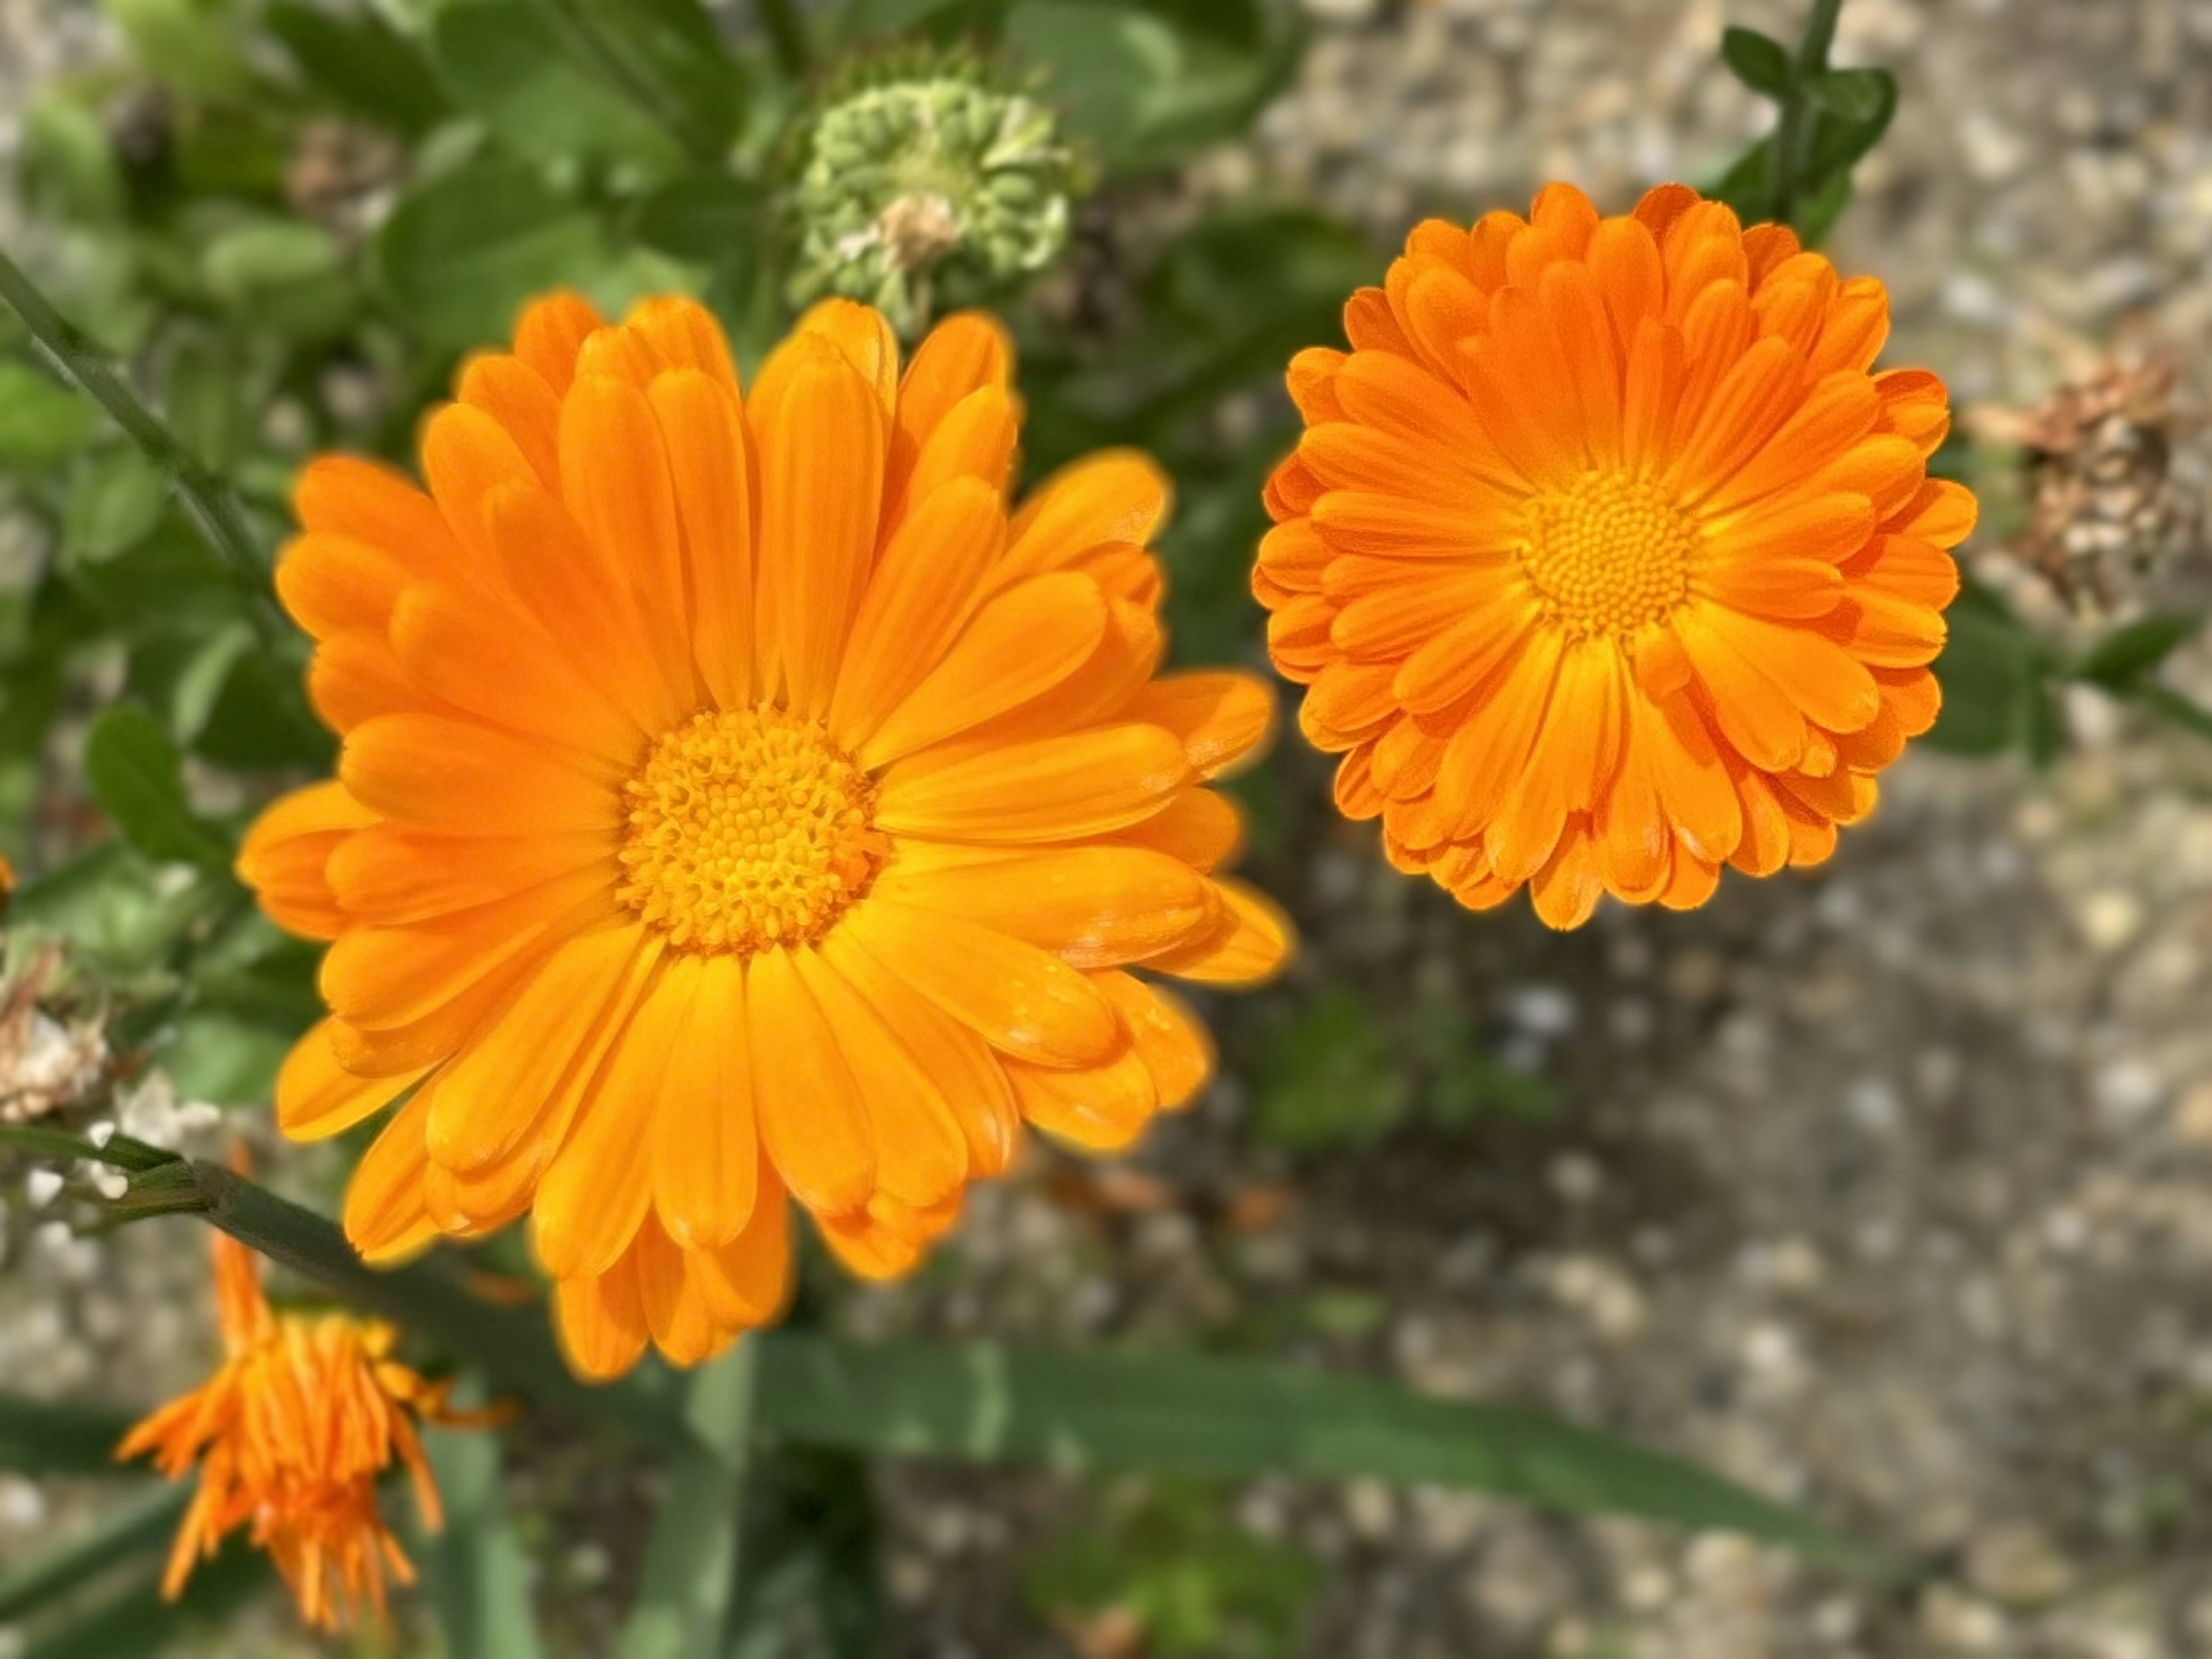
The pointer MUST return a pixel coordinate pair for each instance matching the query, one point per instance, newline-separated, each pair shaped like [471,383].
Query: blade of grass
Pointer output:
[984,1402]
[40,1437]
[475,1570]
[139,1624]
[145,1524]
[692,1563]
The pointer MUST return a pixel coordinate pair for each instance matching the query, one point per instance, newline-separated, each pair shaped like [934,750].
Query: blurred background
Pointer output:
[1886,1191]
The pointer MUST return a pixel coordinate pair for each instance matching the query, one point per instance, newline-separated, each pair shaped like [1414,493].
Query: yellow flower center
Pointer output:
[746,828]
[1608,553]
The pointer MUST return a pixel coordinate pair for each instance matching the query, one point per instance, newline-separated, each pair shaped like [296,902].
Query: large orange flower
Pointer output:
[1607,558]
[735,802]
[291,1436]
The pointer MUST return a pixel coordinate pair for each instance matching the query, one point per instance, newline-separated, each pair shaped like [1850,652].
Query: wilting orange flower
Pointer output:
[290,1435]
[735,802]
[1606,557]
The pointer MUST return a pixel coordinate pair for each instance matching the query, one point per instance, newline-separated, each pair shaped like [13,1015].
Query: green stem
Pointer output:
[693,1562]
[1790,137]
[510,1344]
[787,37]
[210,503]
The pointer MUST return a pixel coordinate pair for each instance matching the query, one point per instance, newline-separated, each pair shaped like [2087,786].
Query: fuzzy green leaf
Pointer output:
[133,769]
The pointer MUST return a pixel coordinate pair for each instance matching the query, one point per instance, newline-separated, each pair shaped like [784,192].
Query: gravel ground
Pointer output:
[1888,1190]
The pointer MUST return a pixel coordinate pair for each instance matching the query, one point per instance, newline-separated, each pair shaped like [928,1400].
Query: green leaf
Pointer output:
[1172,1556]
[219,1057]
[983,1402]
[1991,674]
[68,167]
[1106,68]
[670,54]
[475,1570]
[137,1528]
[1330,1081]
[362,63]
[705,218]
[1857,97]
[115,906]
[1748,184]
[691,1559]
[38,1437]
[1760,62]
[41,421]
[1856,108]
[132,768]
[1818,212]
[206,408]
[282,278]
[266,256]
[259,718]
[1137,89]
[115,499]
[461,254]
[511,63]
[2169,705]
[184,45]
[813,1557]
[2128,655]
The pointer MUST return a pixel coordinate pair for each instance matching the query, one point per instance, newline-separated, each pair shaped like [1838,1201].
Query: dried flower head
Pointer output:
[2110,509]
[53,1048]
[291,1436]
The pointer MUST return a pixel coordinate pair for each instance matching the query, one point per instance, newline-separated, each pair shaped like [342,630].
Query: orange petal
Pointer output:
[706,1141]
[1086,783]
[818,427]
[316,1098]
[813,1119]
[1020,999]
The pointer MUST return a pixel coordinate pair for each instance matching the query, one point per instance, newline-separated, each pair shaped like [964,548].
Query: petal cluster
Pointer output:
[741,801]
[291,1436]
[1606,557]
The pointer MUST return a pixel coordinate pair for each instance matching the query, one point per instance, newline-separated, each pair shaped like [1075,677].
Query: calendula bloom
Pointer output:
[736,801]
[291,1436]
[1607,558]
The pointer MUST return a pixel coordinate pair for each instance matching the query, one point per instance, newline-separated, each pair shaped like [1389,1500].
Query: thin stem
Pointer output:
[510,1344]
[787,37]
[1790,137]
[210,503]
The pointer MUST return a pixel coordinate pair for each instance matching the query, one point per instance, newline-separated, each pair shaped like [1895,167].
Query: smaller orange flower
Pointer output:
[290,1435]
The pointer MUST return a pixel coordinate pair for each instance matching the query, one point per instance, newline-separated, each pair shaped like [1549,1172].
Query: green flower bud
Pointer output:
[935,186]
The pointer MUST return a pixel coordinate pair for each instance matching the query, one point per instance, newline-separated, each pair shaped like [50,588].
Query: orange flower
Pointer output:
[1606,557]
[291,1434]
[735,802]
